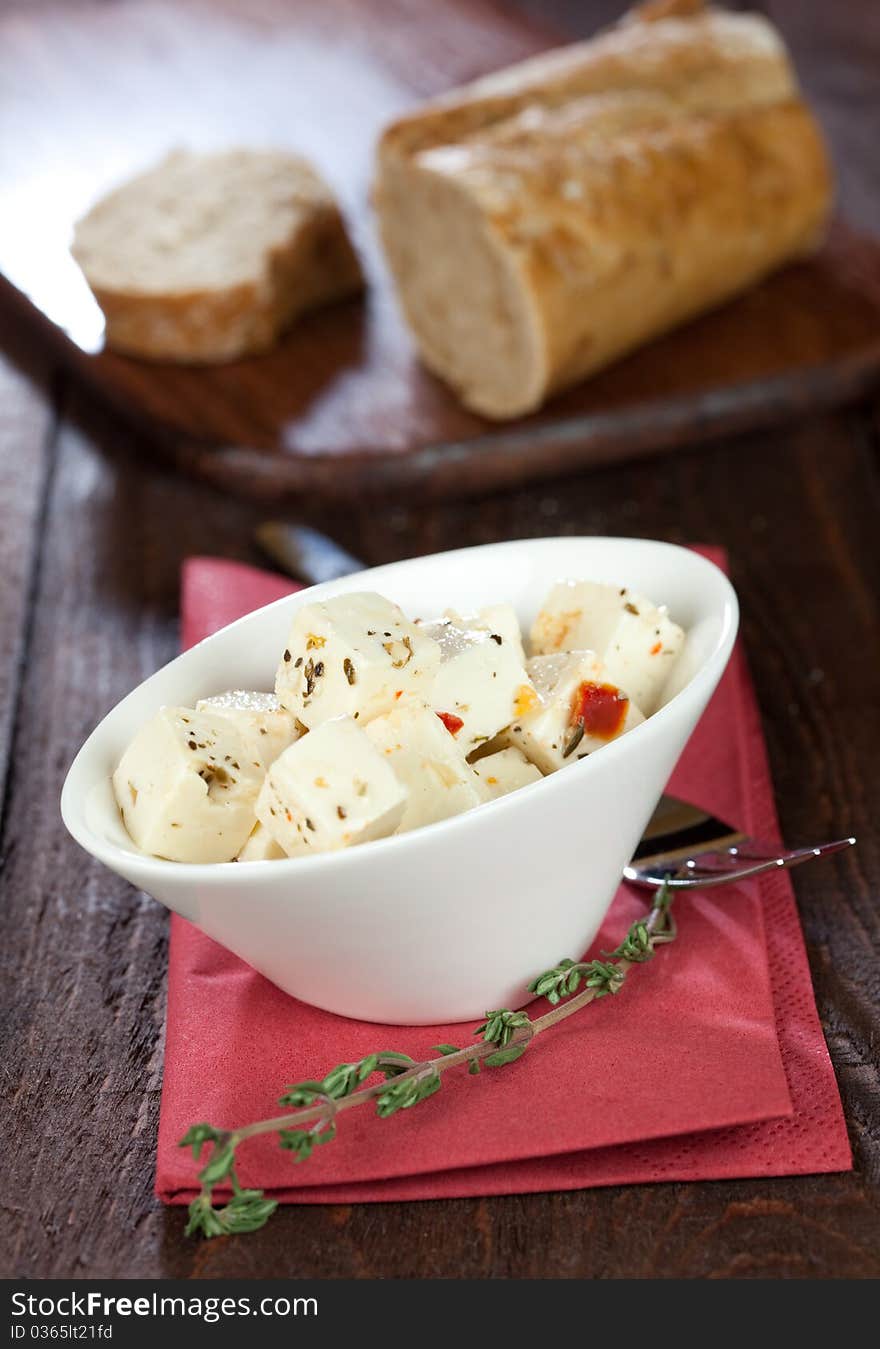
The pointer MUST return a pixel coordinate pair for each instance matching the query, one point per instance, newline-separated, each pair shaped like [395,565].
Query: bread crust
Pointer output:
[626,183]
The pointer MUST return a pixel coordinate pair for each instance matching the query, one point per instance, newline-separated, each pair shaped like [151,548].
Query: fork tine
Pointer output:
[738,860]
[837,846]
[783,861]
[705,880]
[754,850]
[731,868]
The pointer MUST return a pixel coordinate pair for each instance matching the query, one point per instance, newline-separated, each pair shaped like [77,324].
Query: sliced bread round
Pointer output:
[208,257]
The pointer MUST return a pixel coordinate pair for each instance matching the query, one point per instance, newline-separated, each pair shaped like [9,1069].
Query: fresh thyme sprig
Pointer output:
[315,1106]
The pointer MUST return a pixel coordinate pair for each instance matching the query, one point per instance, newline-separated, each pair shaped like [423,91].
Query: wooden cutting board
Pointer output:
[92,93]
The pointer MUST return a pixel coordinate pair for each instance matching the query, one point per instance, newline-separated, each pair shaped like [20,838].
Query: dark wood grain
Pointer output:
[27,422]
[342,408]
[93,533]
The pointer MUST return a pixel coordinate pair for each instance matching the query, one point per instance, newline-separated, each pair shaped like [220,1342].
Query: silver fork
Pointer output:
[685,847]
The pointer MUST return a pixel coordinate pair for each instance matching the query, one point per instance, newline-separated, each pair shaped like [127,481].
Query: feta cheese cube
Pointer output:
[186,786]
[331,789]
[261,847]
[481,685]
[505,771]
[578,710]
[266,726]
[636,640]
[353,655]
[493,618]
[501,618]
[429,763]
[641,655]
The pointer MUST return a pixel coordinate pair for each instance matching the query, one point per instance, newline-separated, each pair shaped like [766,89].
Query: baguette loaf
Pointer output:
[208,257]
[547,219]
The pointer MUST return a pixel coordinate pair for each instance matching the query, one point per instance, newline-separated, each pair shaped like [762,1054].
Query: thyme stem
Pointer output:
[440,1065]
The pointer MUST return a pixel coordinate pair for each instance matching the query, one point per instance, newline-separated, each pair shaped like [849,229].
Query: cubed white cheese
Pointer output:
[497,618]
[579,710]
[636,639]
[267,727]
[429,763]
[186,786]
[353,655]
[501,618]
[481,685]
[331,789]
[261,847]
[505,771]
[641,655]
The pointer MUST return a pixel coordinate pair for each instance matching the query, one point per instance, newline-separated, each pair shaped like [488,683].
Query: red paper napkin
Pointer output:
[710,1064]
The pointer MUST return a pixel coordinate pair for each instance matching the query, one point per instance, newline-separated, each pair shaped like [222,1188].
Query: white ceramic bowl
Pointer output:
[441,923]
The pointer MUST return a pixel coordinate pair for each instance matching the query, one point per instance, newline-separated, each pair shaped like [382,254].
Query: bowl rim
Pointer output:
[122,860]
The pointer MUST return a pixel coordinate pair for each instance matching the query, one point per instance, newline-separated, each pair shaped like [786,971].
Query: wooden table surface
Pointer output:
[92,535]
